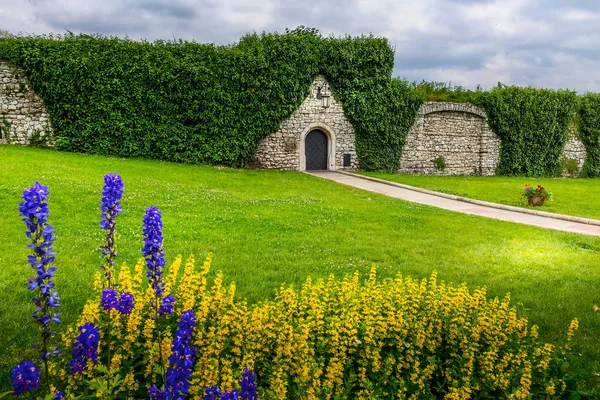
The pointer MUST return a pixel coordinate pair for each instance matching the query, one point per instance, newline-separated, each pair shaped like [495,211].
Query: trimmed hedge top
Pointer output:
[200,103]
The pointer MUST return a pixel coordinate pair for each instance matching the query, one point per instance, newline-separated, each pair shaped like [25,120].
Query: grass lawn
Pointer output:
[579,197]
[266,228]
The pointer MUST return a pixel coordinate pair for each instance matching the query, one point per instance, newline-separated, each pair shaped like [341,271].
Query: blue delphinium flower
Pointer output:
[85,347]
[34,210]
[58,395]
[212,393]
[248,385]
[248,389]
[156,394]
[112,301]
[167,305]
[153,250]
[233,395]
[109,299]
[181,360]
[110,207]
[126,302]
[25,377]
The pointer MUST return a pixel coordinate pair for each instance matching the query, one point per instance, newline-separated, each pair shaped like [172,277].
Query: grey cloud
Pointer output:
[549,43]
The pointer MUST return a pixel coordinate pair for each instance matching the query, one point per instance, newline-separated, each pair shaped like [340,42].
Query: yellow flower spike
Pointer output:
[124,279]
[231,293]
[98,283]
[138,278]
[166,348]
[187,288]
[551,389]
[573,327]
[115,362]
[91,313]
[373,273]
[173,273]
[130,383]
[534,332]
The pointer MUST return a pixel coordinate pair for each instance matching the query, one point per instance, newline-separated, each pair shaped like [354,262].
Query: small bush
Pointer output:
[442,91]
[440,163]
[38,140]
[568,166]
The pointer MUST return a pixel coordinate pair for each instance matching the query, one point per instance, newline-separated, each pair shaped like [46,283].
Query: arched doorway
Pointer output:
[315,150]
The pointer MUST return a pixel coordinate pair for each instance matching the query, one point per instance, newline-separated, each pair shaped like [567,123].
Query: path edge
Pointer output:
[570,218]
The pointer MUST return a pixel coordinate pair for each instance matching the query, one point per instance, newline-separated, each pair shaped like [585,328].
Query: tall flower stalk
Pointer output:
[154,253]
[34,210]
[110,207]
[181,361]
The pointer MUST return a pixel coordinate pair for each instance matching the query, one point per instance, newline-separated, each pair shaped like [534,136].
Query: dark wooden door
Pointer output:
[315,150]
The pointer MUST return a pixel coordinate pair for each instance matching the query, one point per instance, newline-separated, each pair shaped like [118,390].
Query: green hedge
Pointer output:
[533,127]
[200,103]
[589,133]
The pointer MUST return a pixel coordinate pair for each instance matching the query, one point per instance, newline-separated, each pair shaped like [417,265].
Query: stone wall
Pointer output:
[284,149]
[458,134]
[574,149]
[22,112]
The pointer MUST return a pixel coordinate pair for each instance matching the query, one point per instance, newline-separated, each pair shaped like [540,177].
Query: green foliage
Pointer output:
[200,103]
[440,163]
[532,124]
[5,126]
[589,133]
[442,91]
[569,166]
[381,115]
[38,140]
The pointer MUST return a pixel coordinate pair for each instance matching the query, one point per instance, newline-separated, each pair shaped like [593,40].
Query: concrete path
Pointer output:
[457,205]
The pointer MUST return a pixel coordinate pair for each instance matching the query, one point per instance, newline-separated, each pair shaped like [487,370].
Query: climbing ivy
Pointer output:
[532,124]
[589,133]
[201,103]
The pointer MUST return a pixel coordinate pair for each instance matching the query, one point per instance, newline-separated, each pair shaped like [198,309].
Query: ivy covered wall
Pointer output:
[200,103]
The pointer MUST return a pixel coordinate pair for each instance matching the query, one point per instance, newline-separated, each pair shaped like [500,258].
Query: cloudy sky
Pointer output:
[551,43]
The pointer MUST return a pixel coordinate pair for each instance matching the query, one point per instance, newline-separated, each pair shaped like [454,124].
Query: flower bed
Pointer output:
[169,334]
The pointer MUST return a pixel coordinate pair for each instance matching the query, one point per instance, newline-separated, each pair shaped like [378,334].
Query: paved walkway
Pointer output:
[457,205]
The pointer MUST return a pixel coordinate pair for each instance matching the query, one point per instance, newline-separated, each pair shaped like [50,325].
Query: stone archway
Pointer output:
[315,150]
[319,130]
[285,148]
[450,139]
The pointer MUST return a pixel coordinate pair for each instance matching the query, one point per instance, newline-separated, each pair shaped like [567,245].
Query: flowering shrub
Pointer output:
[539,191]
[330,339]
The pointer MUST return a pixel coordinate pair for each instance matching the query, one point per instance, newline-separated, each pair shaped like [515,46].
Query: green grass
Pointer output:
[578,197]
[268,227]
